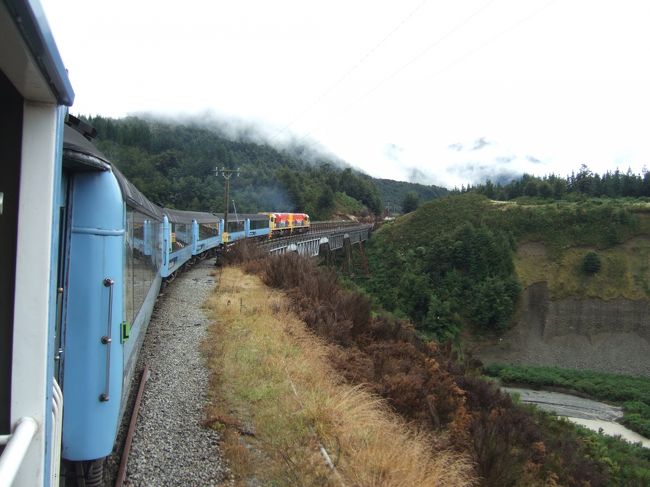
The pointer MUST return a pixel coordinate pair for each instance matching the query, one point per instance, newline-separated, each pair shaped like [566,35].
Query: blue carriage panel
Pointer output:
[257,226]
[236,230]
[93,352]
[207,235]
[260,232]
[177,246]
[207,244]
[166,246]
[195,237]
[234,236]
[177,259]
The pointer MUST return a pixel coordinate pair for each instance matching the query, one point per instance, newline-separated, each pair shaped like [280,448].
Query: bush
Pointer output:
[591,263]
[410,202]
[422,382]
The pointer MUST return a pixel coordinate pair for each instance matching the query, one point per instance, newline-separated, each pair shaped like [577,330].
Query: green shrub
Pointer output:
[591,263]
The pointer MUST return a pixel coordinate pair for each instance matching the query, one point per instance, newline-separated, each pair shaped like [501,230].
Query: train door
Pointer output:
[10,155]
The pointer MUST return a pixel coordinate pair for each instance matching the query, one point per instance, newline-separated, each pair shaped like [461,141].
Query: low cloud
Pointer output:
[457,147]
[393,152]
[534,160]
[415,175]
[477,172]
[257,132]
[480,143]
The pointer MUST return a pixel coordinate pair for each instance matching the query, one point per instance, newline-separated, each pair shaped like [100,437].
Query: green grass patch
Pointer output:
[628,464]
[347,204]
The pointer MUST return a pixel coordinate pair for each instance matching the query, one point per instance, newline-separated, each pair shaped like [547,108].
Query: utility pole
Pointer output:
[227,174]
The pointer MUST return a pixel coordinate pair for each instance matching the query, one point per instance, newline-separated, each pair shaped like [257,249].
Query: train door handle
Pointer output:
[107,340]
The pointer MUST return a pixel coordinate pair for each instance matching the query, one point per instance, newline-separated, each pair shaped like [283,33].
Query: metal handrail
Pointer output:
[107,340]
[16,448]
[278,242]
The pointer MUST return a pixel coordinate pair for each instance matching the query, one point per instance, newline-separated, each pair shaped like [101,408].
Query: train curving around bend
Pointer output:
[83,256]
[116,249]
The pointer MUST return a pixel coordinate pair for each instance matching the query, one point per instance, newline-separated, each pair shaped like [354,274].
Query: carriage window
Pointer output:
[181,236]
[208,230]
[258,224]
[235,226]
[141,260]
[128,267]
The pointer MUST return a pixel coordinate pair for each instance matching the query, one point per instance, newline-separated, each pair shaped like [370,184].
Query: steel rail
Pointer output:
[121,474]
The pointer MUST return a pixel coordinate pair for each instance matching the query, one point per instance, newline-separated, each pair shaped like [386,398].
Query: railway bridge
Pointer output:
[322,237]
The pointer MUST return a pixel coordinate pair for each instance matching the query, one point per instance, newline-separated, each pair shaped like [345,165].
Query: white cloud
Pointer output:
[563,82]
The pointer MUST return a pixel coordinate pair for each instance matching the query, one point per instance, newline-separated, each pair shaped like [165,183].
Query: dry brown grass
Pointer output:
[273,376]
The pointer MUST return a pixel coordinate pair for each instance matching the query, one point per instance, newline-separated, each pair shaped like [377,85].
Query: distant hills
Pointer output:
[173,164]
[392,193]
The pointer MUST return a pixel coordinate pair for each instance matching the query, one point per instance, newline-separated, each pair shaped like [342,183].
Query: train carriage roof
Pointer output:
[254,216]
[135,198]
[184,216]
[80,154]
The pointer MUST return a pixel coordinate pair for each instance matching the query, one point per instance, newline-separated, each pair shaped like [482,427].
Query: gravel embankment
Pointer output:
[170,445]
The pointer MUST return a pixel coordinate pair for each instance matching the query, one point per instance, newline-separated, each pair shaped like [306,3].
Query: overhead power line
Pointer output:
[356,66]
[435,43]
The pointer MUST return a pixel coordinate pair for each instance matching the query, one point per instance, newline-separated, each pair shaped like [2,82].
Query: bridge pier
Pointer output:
[324,252]
[347,249]
[364,258]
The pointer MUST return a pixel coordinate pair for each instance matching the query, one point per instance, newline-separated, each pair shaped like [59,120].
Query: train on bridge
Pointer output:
[83,256]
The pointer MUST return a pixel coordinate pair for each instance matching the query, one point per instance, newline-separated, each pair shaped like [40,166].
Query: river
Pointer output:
[594,415]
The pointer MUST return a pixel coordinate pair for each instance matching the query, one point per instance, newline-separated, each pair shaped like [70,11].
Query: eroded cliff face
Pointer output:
[605,335]
[592,317]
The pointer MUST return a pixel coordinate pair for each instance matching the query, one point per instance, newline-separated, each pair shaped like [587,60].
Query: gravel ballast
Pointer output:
[170,445]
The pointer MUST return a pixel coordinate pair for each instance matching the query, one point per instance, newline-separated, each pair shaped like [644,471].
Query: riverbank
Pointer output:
[594,415]
[630,393]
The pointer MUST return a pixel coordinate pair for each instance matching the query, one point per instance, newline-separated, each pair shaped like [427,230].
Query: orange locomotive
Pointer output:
[287,223]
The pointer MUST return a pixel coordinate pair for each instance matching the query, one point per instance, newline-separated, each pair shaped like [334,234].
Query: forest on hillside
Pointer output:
[586,183]
[173,164]
[449,265]
[395,193]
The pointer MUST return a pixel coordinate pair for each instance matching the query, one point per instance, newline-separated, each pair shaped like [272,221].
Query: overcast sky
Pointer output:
[435,91]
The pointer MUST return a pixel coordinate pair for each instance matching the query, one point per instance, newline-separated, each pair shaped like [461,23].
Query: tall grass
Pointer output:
[272,379]
[425,385]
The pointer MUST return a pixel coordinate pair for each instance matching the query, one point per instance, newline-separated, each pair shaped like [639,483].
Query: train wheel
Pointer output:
[85,474]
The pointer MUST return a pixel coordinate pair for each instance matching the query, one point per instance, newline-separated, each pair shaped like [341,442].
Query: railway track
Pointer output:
[308,243]
[155,434]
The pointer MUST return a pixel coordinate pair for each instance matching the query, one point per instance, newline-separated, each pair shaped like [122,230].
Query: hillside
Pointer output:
[392,193]
[467,262]
[358,345]
[173,164]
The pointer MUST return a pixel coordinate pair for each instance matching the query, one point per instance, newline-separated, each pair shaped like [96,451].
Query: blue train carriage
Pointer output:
[34,93]
[246,225]
[257,226]
[110,277]
[206,231]
[177,242]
